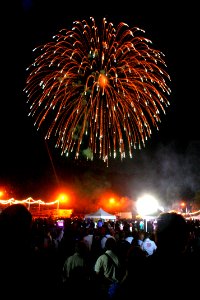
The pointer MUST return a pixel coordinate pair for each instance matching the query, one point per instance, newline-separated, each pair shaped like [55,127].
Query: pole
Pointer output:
[58,206]
[146,224]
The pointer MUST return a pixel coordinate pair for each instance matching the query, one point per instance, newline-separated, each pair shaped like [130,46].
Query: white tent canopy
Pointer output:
[100,214]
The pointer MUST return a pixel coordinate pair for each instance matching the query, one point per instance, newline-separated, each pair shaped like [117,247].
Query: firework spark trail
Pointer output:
[101,87]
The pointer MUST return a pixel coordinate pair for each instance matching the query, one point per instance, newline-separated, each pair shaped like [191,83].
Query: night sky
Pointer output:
[168,165]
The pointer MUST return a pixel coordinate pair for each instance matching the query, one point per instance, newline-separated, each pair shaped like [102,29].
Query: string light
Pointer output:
[29,201]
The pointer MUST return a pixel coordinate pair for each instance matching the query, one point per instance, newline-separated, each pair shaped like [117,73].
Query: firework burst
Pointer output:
[99,90]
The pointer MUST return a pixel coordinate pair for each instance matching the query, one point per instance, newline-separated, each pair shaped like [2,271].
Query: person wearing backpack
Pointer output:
[108,270]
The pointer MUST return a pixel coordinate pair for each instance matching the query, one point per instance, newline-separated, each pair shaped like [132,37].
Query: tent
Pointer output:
[100,214]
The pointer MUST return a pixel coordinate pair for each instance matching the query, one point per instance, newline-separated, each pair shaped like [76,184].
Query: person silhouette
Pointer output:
[24,273]
[171,268]
[15,249]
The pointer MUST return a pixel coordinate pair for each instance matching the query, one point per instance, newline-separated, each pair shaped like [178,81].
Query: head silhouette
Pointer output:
[15,227]
[171,232]
[110,244]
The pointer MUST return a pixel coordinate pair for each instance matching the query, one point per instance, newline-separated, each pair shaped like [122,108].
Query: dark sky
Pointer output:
[167,165]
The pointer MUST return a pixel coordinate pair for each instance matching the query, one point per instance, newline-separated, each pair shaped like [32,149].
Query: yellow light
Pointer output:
[63,197]
[111,200]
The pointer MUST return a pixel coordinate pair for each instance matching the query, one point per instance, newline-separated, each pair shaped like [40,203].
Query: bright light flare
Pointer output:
[63,198]
[146,205]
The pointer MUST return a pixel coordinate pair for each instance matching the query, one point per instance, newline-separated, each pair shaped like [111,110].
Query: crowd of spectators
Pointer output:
[41,259]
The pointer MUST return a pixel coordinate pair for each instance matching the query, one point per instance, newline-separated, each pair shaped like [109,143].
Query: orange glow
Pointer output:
[182,204]
[1,193]
[63,197]
[112,202]
[103,80]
